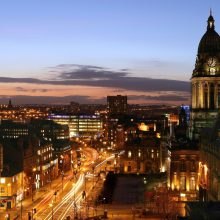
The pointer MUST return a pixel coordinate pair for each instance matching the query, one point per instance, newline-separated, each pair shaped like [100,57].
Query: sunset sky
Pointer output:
[83,50]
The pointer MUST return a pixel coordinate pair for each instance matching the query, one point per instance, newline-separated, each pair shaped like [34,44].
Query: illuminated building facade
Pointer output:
[11,189]
[9,129]
[47,165]
[205,81]
[22,114]
[209,172]
[142,157]
[80,125]
[184,170]
[49,130]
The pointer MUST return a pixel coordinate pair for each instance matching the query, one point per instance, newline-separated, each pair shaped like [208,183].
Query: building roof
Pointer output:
[10,170]
[183,144]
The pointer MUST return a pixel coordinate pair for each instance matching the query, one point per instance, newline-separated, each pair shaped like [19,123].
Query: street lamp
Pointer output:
[104,205]
[62,173]
[8,185]
[51,205]
[84,172]
[51,170]
[74,202]
[33,172]
[7,216]
[72,165]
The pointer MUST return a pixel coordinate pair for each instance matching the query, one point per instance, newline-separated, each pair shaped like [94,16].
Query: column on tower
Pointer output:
[216,95]
[218,98]
[201,95]
[198,95]
[208,98]
[193,95]
[205,95]
[212,96]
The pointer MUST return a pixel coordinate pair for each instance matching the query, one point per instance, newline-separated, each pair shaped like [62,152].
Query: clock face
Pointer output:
[211,62]
[212,70]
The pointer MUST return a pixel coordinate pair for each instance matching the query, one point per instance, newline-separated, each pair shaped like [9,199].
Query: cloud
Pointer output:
[22,99]
[162,98]
[21,89]
[80,75]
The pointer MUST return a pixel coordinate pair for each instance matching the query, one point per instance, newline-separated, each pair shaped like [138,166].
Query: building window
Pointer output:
[182,166]
[192,183]
[129,154]
[182,183]
[152,153]
[193,166]
[2,180]
[2,190]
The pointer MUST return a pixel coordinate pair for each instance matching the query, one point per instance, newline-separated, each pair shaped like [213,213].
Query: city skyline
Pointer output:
[84,51]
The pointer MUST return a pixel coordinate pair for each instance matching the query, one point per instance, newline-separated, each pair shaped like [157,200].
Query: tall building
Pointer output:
[117,104]
[203,164]
[205,81]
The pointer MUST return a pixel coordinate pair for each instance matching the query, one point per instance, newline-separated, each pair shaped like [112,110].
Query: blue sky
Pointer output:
[149,38]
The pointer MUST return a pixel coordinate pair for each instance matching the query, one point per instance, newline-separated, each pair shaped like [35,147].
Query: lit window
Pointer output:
[192,183]
[139,153]
[182,183]
[2,180]
[129,154]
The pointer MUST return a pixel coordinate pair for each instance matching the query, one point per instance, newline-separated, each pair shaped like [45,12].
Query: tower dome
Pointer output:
[210,42]
[208,57]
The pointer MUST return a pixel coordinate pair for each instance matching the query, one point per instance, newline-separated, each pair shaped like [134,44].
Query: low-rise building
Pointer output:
[209,172]
[11,187]
[184,170]
[142,155]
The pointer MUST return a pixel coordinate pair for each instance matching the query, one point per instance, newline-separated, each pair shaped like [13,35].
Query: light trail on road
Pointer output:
[61,210]
[68,196]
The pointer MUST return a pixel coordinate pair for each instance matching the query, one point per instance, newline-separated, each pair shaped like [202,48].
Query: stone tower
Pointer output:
[205,81]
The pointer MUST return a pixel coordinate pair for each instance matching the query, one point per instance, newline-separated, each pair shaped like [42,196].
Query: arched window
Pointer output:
[193,166]
[182,166]
[192,183]
[182,183]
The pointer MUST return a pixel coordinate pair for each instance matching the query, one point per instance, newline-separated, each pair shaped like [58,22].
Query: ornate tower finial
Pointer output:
[210,21]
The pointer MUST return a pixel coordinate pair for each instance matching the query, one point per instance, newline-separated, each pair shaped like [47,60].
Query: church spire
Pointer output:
[210,21]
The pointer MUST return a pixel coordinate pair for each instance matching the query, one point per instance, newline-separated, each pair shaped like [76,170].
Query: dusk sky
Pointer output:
[83,50]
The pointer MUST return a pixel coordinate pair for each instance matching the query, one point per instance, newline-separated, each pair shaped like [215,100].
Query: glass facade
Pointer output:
[80,125]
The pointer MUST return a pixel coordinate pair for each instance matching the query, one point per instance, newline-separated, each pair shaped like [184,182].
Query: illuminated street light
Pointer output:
[32,184]
[7,216]
[51,205]
[62,173]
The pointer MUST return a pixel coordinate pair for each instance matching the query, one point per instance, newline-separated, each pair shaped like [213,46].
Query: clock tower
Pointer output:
[205,81]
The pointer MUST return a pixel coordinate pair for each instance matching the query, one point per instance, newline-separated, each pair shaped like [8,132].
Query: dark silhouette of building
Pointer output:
[10,104]
[117,104]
